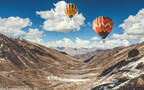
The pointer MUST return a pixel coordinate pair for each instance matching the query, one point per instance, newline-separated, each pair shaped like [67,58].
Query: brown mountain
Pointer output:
[88,56]
[29,66]
[120,69]
[23,63]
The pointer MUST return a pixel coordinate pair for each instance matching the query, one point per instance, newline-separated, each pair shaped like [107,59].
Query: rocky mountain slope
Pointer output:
[122,69]
[29,66]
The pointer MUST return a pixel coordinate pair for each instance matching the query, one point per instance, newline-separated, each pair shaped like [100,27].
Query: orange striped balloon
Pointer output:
[103,26]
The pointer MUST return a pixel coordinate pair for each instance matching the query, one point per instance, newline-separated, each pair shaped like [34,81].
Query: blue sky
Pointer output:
[117,10]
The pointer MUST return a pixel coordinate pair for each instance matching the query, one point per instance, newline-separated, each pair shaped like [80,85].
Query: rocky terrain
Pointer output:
[26,64]
[119,70]
[29,66]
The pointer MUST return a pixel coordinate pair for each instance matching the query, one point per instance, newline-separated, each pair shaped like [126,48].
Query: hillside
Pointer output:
[119,70]
[29,66]
[23,63]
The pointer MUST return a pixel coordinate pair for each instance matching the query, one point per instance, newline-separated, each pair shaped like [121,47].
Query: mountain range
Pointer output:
[29,66]
[83,54]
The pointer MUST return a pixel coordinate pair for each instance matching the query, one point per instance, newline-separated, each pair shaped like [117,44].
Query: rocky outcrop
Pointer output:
[133,53]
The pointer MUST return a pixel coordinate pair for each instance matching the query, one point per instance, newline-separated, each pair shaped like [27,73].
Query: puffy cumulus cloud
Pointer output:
[115,43]
[79,43]
[82,42]
[95,38]
[125,36]
[34,35]
[56,20]
[134,25]
[133,28]
[66,42]
[109,43]
[12,26]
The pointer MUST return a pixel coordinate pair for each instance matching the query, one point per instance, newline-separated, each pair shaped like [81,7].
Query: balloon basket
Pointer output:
[103,40]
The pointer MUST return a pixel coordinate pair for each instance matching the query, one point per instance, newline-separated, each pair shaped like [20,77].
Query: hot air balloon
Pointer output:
[71,10]
[103,26]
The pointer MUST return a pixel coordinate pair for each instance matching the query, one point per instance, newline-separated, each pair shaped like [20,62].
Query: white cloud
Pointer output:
[125,36]
[12,26]
[66,42]
[56,20]
[34,35]
[134,25]
[82,42]
[95,38]
[116,43]
[78,43]
[133,28]
[109,43]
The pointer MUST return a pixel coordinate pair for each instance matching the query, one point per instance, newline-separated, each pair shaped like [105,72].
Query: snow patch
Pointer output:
[134,64]
[133,73]
[1,45]
[66,79]
[121,85]
[2,59]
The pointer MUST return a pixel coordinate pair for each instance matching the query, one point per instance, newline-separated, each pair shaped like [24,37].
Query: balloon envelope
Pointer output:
[71,9]
[103,26]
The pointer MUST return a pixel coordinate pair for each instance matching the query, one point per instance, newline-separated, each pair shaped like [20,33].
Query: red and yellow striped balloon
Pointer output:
[71,9]
[103,26]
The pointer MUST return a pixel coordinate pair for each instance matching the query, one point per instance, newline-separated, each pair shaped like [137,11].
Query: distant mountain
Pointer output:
[83,54]
[74,51]
[88,56]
